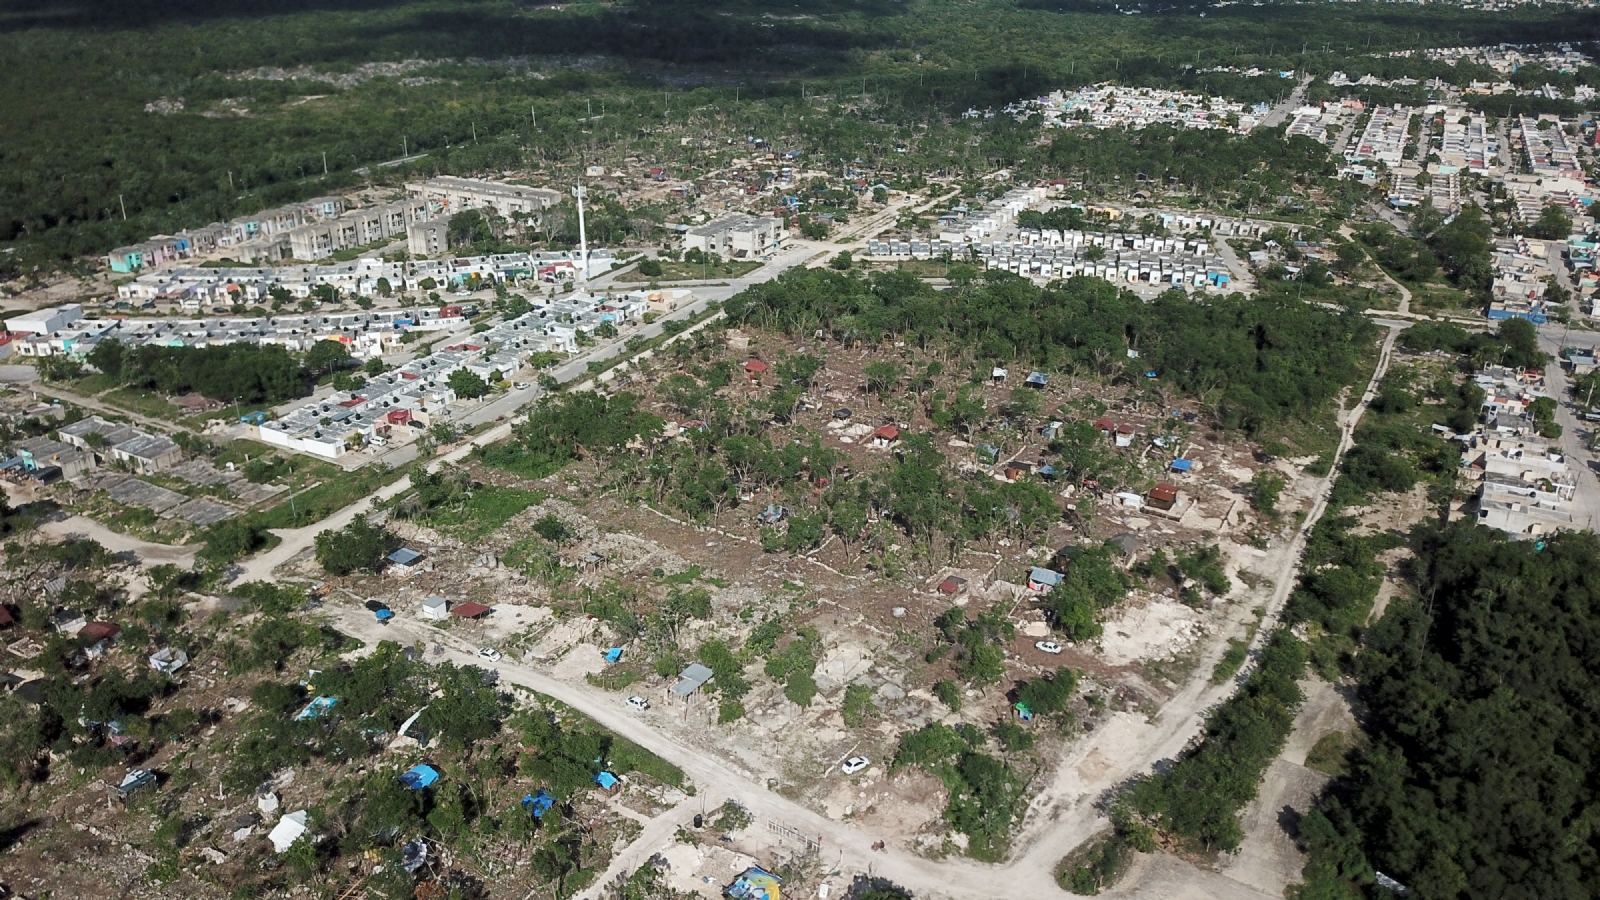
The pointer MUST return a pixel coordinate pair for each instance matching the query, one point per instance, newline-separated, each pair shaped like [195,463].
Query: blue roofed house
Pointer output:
[607,781]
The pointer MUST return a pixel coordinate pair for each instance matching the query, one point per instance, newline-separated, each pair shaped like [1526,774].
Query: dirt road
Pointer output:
[149,554]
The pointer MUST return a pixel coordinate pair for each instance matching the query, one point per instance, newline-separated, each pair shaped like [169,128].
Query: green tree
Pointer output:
[327,356]
[466,384]
[359,546]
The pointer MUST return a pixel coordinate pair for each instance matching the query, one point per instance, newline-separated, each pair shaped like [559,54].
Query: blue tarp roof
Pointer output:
[1182,465]
[419,776]
[405,556]
[1041,575]
[606,780]
[614,654]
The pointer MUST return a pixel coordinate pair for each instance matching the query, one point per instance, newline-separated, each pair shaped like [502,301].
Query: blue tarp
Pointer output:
[606,780]
[317,708]
[384,614]
[614,654]
[538,804]
[1182,465]
[419,776]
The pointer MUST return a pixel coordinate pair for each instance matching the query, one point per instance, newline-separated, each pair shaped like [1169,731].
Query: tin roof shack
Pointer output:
[470,610]
[886,437]
[690,680]
[404,562]
[1163,497]
[1042,579]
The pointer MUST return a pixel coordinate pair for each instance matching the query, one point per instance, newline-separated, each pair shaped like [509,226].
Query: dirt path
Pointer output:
[148,553]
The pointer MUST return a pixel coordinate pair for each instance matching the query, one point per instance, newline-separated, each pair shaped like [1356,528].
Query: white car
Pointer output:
[855,764]
[1048,646]
[521,385]
[489,653]
[639,703]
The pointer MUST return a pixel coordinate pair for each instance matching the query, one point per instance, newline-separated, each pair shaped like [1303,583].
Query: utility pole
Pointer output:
[230,179]
[583,237]
[404,150]
[324,162]
[124,208]
[474,132]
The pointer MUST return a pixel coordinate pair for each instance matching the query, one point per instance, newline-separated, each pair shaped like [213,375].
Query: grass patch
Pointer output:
[1228,666]
[1331,754]
[317,503]
[685,271]
[142,402]
[489,508]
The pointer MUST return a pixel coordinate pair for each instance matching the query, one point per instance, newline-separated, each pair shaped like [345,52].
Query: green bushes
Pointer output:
[1198,800]
[985,793]
[359,546]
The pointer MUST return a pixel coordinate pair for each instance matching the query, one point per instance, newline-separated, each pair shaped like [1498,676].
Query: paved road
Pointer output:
[1280,113]
[1574,430]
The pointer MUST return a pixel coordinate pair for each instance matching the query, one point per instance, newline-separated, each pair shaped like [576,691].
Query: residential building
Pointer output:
[508,201]
[736,236]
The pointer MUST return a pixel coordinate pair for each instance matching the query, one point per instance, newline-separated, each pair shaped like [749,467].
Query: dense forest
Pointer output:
[1480,780]
[86,167]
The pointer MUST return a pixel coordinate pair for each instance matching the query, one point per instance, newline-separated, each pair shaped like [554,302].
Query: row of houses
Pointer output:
[1525,487]
[314,230]
[197,287]
[1384,138]
[1122,257]
[81,446]
[736,236]
[365,334]
[994,217]
[317,228]
[242,236]
[410,396]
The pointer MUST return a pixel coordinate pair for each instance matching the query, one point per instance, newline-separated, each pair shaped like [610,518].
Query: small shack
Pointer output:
[404,559]
[1042,579]
[608,782]
[1163,496]
[1182,465]
[436,608]
[1037,380]
[470,610]
[953,585]
[135,781]
[692,679]
[886,436]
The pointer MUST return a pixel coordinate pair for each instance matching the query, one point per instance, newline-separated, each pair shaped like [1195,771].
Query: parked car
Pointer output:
[855,764]
[639,703]
[1048,646]
[489,653]
[521,385]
